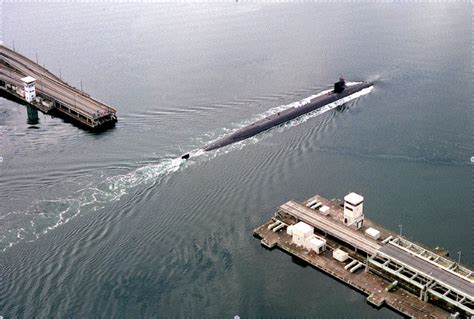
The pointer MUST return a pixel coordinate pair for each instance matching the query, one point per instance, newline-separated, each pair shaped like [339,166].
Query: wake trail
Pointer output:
[44,215]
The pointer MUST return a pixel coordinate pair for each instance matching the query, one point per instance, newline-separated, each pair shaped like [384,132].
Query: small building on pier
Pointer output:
[303,235]
[29,84]
[353,210]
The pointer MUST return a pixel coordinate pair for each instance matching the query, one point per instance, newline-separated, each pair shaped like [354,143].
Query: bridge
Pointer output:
[52,95]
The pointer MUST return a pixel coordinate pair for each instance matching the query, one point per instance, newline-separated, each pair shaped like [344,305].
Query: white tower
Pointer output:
[30,90]
[353,210]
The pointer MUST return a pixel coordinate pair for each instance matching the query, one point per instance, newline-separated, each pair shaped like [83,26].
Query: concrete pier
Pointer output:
[48,93]
[428,284]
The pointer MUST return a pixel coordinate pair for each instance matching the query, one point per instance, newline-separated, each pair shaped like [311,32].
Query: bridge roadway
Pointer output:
[14,66]
[32,66]
[440,275]
[331,227]
[74,101]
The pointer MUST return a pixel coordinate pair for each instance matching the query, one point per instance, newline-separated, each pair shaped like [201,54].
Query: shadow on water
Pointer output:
[298,261]
[94,131]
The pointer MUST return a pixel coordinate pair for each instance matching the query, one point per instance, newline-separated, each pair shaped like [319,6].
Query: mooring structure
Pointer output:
[336,237]
[30,83]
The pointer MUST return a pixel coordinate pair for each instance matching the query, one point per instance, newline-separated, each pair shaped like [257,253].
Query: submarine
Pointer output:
[341,90]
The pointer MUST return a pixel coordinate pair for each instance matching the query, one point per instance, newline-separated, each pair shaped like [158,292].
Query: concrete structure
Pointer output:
[373,233]
[38,84]
[29,88]
[324,210]
[340,255]
[426,279]
[428,284]
[278,227]
[311,203]
[301,233]
[353,210]
[289,230]
[316,244]
[330,226]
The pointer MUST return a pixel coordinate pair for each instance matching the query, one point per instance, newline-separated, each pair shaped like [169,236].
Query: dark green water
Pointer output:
[112,225]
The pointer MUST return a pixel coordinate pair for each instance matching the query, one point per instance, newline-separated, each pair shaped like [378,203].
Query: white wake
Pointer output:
[45,215]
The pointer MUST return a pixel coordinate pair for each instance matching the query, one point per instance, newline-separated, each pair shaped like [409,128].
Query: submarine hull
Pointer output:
[285,116]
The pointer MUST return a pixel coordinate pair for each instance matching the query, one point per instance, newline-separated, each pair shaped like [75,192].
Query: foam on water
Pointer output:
[329,107]
[280,108]
[301,119]
[47,214]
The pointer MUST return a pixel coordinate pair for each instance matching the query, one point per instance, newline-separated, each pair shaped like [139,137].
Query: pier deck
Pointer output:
[426,287]
[366,282]
[65,98]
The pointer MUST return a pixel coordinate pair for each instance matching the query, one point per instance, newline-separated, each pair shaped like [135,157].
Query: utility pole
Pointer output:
[81,86]
[36,57]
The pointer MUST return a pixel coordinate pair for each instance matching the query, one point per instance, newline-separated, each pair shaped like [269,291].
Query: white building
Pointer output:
[303,235]
[316,244]
[324,210]
[340,255]
[29,88]
[353,210]
[372,232]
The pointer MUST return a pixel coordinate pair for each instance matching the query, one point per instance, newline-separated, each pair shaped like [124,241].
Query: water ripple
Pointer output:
[45,215]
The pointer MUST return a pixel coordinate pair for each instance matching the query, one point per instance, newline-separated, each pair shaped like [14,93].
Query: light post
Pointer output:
[401,228]
[459,258]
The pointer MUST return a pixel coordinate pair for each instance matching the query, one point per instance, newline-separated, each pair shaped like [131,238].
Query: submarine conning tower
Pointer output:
[340,85]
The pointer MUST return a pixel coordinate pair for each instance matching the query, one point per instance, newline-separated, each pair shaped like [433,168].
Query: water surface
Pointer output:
[113,225]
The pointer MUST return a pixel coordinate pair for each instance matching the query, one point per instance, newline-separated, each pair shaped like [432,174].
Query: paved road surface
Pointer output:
[443,276]
[338,230]
[49,84]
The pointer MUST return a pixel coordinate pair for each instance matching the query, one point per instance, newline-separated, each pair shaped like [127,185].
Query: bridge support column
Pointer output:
[424,294]
[32,115]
